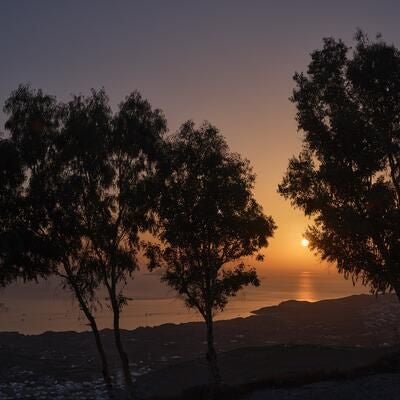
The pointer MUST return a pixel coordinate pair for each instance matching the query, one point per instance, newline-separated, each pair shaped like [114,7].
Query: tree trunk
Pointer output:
[122,354]
[396,288]
[214,375]
[100,349]
[93,325]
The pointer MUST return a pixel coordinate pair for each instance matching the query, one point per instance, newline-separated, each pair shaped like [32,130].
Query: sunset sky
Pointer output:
[230,62]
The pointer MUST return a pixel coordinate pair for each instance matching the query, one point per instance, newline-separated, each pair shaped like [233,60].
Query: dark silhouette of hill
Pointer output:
[293,339]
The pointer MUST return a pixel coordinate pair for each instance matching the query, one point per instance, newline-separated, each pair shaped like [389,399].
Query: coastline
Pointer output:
[36,308]
[325,330]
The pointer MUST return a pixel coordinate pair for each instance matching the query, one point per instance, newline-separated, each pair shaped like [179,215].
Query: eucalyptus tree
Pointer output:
[109,161]
[39,234]
[208,222]
[24,151]
[347,176]
[82,197]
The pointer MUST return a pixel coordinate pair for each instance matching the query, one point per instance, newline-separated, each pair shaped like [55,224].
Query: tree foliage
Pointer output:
[76,191]
[24,249]
[347,176]
[208,218]
[208,221]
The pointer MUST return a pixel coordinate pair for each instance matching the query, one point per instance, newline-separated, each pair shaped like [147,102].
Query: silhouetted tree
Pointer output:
[208,219]
[91,183]
[23,250]
[40,235]
[110,163]
[347,176]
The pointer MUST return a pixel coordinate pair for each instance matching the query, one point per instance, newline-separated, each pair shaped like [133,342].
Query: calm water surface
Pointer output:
[36,308]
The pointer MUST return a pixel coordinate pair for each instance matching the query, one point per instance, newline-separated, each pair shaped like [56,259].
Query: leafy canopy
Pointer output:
[75,193]
[24,159]
[347,176]
[207,219]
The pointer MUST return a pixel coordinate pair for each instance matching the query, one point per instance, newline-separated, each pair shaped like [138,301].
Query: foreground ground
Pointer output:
[380,386]
[290,344]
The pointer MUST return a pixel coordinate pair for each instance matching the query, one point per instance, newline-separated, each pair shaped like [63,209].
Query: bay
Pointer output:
[36,308]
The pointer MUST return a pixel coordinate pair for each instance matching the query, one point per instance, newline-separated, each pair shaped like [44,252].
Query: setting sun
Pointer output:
[304,242]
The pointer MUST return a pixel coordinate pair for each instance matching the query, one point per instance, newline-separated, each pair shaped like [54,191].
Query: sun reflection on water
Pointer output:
[305,289]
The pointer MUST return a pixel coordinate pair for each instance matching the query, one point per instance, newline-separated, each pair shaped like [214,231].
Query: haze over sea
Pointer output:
[36,308]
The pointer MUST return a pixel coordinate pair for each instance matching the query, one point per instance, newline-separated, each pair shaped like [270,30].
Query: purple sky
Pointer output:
[230,62]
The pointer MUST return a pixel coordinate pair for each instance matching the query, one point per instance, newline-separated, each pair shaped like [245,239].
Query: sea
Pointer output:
[35,308]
